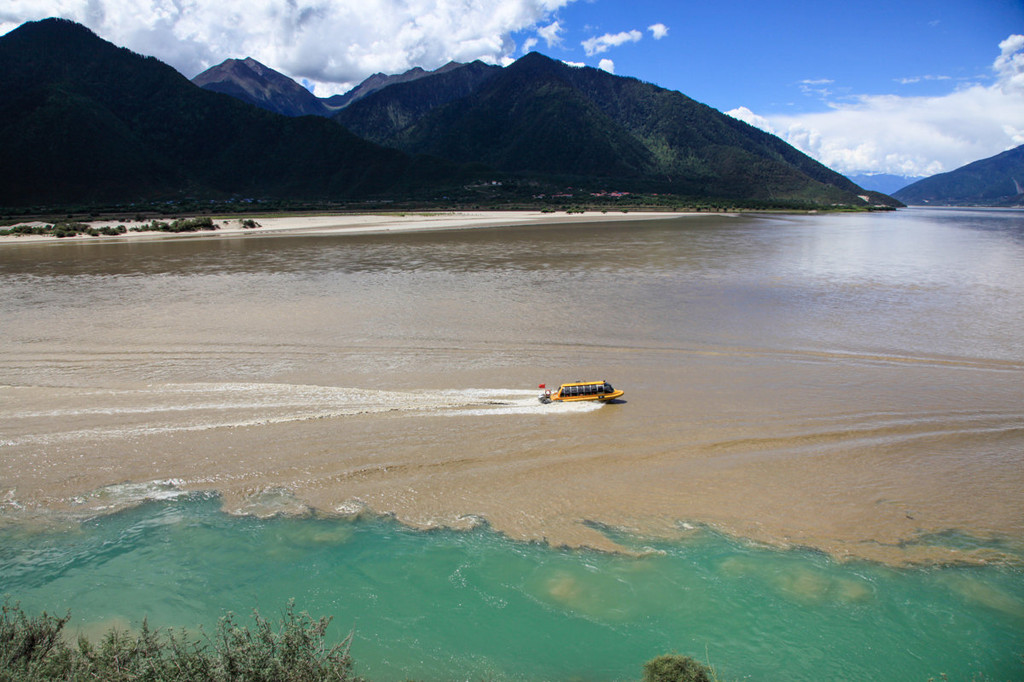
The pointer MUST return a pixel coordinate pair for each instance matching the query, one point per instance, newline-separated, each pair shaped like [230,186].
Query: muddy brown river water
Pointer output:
[853,383]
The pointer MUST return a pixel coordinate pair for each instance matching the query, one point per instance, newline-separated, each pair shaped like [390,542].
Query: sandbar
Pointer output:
[348,223]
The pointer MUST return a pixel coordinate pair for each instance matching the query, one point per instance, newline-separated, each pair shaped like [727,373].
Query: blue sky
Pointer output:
[905,86]
[763,55]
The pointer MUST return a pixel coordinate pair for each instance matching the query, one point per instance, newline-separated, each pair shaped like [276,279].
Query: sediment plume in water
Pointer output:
[456,457]
[847,383]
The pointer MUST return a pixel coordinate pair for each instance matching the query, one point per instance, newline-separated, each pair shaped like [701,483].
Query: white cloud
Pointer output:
[575,65]
[817,87]
[747,116]
[913,135]
[551,34]
[918,79]
[599,44]
[529,44]
[606,65]
[659,31]
[333,44]
[1009,65]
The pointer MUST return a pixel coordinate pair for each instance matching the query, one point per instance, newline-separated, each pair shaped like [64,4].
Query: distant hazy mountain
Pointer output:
[542,116]
[883,182]
[995,181]
[252,82]
[84,121]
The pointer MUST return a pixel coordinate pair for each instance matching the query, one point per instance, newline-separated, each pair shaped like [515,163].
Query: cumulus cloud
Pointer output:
[599,44]
[913,135]
[333,44]
[659,31]
[747,116]
[606,65]
[552,34]
[1009,65]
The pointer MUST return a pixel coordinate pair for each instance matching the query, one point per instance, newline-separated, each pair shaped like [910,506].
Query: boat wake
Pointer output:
[47,415]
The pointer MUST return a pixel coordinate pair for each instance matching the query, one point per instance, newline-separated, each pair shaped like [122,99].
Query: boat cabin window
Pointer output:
[585,390]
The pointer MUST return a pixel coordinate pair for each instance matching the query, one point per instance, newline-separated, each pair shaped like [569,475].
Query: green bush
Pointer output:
[26,643]
[180,225]
[192,224]
[295,651]
[37,649]
[112,231]
[25,229]
[675,668]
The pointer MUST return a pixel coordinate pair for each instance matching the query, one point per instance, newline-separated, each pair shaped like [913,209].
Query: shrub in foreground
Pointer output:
[37,649]
[674,668]
[294,651]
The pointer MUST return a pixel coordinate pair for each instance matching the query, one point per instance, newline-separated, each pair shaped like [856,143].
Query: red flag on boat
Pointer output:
[542,386]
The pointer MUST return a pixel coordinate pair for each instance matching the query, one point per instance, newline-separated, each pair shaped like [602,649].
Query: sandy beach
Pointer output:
[366,223]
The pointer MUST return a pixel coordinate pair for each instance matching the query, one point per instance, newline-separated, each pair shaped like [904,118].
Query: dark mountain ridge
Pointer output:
[540,115]
[379,81]
[377,117]
[995,181]
[85,121]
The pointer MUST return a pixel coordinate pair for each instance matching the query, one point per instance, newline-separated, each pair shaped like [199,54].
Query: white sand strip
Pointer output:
[354,223]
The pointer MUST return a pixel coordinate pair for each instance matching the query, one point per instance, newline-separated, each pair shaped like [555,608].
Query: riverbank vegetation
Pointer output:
[64,229]
[74,228]
[295,649]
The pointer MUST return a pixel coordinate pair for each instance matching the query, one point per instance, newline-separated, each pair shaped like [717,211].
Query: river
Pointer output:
[819,455]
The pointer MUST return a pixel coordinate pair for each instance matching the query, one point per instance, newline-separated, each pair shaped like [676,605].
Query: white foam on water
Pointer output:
[271,501]
[128,494]
[74,415]
[529,406]
[351,508]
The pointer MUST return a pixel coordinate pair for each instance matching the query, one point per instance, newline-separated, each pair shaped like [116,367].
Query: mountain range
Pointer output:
[85,121]
[995,181]
[541,116]
[379,81]
[252,82]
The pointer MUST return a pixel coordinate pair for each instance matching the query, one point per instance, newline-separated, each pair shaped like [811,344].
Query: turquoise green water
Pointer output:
[472,605]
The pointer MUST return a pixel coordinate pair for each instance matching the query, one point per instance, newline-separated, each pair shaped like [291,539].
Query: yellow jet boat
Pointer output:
[580,390]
